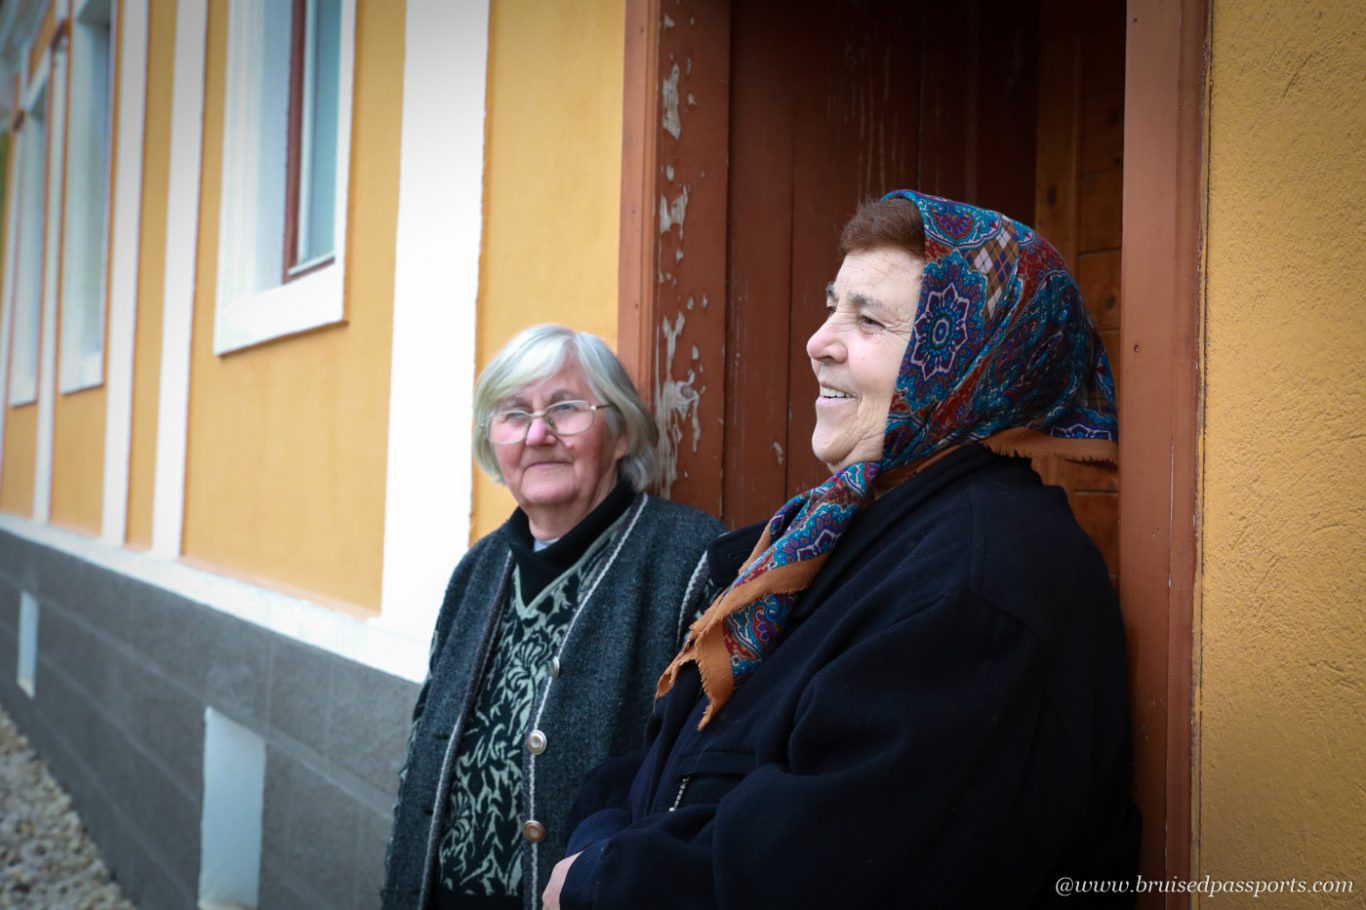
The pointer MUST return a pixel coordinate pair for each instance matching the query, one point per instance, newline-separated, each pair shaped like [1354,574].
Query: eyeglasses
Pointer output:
[564,418]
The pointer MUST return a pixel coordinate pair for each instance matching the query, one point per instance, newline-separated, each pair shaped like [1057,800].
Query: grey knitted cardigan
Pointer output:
[628,625]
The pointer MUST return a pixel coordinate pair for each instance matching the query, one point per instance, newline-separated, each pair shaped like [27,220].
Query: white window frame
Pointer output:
[27,336]
[88,197]
[246,315]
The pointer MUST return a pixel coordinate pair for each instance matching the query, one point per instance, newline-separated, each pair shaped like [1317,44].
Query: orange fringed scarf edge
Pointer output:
[1021,442]
[706,644]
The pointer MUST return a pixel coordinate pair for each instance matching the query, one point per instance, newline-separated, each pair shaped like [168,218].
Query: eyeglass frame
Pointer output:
[543,414]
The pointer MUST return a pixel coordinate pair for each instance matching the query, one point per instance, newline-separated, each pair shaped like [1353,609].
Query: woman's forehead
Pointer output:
[565,384]
[887,279]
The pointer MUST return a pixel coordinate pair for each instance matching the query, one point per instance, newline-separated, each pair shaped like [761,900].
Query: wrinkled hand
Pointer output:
[550,899]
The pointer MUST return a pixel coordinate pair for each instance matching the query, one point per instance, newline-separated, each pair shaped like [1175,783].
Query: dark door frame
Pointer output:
[675,131]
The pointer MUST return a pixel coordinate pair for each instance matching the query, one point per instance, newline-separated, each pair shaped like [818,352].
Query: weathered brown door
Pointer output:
[1079,202]
[832,104]
[764,124]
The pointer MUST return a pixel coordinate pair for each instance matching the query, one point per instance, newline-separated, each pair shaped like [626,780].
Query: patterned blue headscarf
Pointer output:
[1002,353]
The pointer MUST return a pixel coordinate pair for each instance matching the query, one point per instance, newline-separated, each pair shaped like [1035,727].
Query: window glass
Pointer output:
[86,201]
[29,254]
[318,132]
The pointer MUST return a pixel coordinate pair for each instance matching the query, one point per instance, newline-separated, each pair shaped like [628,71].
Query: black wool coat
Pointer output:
[945,724]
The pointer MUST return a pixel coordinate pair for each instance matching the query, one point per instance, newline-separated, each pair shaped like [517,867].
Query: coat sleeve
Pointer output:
[925,765]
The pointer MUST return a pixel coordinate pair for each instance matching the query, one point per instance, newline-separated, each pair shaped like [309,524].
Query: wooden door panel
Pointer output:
[830,101]
[758,270]
[1079,200]
[858,127]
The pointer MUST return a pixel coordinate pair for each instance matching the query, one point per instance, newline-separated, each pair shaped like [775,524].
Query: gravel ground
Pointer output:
[47,861]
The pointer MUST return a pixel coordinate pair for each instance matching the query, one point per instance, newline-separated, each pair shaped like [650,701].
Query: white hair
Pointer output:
[540,352]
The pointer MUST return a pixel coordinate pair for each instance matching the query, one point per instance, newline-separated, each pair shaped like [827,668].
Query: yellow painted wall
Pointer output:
[78,460]
[1282,735]
[552,181]
[288,441]
[156,156]
[16,479]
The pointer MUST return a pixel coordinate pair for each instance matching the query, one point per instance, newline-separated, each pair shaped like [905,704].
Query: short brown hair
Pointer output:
[891,222]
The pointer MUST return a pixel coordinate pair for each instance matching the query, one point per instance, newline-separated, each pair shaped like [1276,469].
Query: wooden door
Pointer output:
[689,322]
[1079,202]
[833,103]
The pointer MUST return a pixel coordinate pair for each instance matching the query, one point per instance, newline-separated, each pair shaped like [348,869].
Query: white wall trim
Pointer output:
[308,302]
[10,279]
[436,283]
[177,313]
[47,333]
[131,22]
[251,305]
[365,642]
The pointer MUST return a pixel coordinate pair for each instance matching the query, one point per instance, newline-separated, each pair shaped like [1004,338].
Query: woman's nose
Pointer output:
[539,433]
[824,343]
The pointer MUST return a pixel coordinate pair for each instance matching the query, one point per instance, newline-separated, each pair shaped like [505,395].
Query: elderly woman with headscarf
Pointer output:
[553,631]
[912,691]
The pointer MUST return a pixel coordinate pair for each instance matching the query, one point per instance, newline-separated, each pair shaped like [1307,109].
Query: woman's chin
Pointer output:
[828,452]
[546,493]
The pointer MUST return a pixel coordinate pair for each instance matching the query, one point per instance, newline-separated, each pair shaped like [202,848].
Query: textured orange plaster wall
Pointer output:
[1282,733]
[552,182]
[16,480]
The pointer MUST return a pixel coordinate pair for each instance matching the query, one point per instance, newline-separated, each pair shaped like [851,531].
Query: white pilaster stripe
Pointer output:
[436,282]
[47,352]
[177,314]
[10,278]
[131,57]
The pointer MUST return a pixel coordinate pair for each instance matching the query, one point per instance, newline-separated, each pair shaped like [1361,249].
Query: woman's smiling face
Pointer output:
[557,480]
[856,354]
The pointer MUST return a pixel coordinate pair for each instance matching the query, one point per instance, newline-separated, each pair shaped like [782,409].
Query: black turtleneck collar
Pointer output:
[539,569]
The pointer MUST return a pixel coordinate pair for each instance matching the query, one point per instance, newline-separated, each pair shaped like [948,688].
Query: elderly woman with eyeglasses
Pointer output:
[553,631]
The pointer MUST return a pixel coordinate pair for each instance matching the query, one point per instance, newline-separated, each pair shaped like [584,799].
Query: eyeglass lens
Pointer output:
[566,418]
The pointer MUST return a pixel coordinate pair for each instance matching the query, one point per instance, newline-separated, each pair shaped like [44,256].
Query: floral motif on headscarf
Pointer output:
[1002,353]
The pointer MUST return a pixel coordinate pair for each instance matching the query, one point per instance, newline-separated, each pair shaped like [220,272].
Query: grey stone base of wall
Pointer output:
[124,674]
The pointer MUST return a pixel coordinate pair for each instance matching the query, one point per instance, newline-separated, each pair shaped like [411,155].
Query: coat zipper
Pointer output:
[682,787]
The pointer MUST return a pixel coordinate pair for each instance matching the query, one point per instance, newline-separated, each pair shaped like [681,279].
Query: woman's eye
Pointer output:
[870,322]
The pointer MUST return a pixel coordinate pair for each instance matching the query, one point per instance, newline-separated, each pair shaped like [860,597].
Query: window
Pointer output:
[26,304]
[26,667]
[87,200]
[230,823]
[310,200]
[286,150]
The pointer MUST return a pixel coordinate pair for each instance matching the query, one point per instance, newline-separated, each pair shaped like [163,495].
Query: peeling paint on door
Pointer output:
[669,89]
[673,213]
[676,402]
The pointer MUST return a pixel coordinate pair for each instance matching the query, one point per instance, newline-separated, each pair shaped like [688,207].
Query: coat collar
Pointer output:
[887,512]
